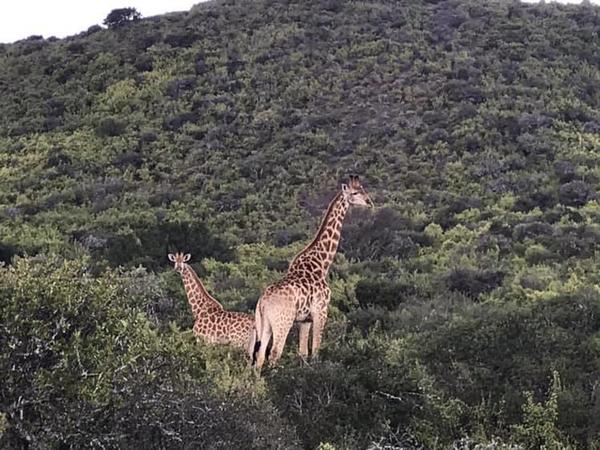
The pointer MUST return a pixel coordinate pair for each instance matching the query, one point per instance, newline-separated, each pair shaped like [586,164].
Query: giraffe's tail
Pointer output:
[256,348]
[258,329]
[257,332]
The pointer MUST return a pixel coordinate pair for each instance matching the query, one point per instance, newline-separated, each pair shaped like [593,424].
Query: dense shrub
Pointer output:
[320,391]
[144,63]
[93,29]
[180,39]
[368,236]
[523,344]
[176,122]
[473,282]
[576,193]
[532,230]
[149,246]
[85,368]
[7,252]
[110,127]
[383,293]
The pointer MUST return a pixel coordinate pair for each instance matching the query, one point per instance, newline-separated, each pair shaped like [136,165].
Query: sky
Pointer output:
[561,1]
[22,18]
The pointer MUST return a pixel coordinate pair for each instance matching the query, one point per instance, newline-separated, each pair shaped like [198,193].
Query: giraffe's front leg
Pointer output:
[319,318]
[281,329]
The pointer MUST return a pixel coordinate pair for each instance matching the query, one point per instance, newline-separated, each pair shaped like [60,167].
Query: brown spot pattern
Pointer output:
[213,323]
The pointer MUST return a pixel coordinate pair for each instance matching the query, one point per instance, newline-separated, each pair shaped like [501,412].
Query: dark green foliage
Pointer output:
[575,193]
[383,293]
[93,29]
[473,282]
[119,17]
[523,344]
[83,367]
[350,409]
[110,127]
[7,252]
[532,230]
[150,245]
[385,233]
[180,39]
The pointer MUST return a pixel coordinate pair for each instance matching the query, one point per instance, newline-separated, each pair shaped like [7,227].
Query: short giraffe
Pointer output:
[214,324]
[303,294]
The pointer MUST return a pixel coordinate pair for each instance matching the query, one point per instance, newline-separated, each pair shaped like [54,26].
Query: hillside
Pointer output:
[466,306]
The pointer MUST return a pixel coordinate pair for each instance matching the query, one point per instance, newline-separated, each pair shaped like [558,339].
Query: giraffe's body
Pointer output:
[303,294]
[214,324]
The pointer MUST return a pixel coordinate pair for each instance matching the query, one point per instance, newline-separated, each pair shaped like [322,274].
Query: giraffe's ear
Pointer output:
[344,188]
[171,257]
[187,257]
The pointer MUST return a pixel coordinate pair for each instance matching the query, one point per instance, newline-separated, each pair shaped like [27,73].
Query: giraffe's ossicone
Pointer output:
[214,324]
[303,294]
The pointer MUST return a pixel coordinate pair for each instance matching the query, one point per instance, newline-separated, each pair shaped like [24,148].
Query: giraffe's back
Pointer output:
[298,290]
[225,327]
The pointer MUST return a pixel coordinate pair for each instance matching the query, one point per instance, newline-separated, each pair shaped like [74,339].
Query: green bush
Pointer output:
[84,367]
[473,282]
[383,293]
[538,429]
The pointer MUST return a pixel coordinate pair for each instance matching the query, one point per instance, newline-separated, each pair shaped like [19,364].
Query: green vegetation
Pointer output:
[466,307]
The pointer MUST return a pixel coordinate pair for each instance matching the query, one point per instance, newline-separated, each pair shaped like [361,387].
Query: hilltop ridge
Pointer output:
[248,113]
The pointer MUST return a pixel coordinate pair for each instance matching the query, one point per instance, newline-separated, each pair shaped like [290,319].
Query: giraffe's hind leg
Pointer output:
[280,332]
[252,346]
[303,335]
[319,318]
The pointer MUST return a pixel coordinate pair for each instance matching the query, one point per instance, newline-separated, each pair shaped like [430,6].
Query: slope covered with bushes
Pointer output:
[466,306]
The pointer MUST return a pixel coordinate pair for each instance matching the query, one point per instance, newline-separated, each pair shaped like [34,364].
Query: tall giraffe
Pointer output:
[214,324]
[303,294]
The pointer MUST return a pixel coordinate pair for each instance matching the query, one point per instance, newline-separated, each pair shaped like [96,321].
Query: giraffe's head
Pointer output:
[355,194]
[179,259]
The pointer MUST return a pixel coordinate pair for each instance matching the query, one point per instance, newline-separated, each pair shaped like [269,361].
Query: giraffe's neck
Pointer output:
[324,246]
[199,299]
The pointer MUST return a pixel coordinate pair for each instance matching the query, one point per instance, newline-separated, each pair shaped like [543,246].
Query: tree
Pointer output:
[120,16]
